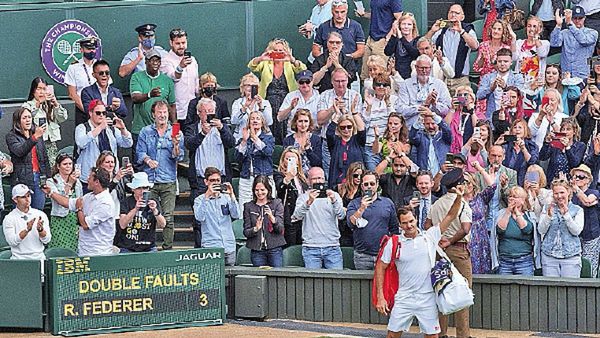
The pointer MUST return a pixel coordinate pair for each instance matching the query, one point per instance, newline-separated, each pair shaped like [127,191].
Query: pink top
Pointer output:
[187,86]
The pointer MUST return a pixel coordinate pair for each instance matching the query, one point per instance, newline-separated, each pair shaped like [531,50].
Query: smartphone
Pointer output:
[477,132]
[210,117]
[416,194]
[461,100]
[505,98]
[187,54]
[146,196]
[175,130]
[78,166]
[50,90]
[292,164]
[42,121]
[449,157]
[556,143]
[253,91]
[277,55]
[532,176]
[359,6]
[509,138]
[224,187]
[125,161]
[369,193]
[545,100]
[43,179]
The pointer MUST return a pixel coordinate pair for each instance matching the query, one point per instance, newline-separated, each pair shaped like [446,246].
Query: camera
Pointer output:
[322,188]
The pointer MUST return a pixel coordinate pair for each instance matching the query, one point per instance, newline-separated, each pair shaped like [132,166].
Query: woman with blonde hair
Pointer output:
[530,53]
[346,139]
[308,144]
[290,183]
[515,231]
[249,101]
[460,117]
[278,68]
[560,224]
[402,43]
[254,153]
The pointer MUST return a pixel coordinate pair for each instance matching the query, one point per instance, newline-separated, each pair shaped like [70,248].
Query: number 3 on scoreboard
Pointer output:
[203,299]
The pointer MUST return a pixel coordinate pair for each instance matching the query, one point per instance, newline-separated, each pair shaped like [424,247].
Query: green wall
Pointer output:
[223,34]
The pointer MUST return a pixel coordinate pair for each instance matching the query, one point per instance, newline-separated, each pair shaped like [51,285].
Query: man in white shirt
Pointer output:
[26,229]
[96,217]
[182,67]
[306,97]
[415,296]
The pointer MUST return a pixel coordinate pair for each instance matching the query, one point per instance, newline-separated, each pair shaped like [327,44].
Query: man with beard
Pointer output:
[182,68]
[422,92]
[400,183]
[101,90]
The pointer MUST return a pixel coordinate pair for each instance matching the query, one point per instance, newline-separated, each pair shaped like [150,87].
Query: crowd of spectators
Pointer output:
[369,123]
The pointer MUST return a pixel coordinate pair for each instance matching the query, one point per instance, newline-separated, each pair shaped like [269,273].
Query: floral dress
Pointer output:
[479,246]
[487,58]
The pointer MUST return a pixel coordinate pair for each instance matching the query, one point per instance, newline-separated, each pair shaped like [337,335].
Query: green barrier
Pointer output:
[21,294]
[132,292]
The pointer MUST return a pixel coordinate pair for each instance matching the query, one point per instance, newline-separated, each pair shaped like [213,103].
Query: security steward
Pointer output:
[134,60]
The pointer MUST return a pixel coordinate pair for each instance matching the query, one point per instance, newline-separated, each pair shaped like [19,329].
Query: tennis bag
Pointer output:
[452,291]
[391,279]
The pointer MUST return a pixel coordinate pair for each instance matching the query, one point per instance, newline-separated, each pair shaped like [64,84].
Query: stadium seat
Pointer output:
[553,59]
[277,150]
[348,256]
[235,167]
[292,256]
[6,254]
[238,230]
[59,252]
[478,26]
[242,258]
[235,182]
[586,268]
[3,243]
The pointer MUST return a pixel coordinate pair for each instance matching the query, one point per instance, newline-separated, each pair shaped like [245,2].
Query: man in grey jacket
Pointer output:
[320,213]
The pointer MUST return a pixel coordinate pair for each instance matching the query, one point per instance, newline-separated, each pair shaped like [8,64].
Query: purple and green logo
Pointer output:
[60,47]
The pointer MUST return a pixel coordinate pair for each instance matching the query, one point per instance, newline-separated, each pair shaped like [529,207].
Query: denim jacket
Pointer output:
[160,149]
[258,155]
[560,233]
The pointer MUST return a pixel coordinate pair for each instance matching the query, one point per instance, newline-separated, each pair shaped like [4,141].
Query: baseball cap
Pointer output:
[304,75]
[20,190]
[152,53]
[578,12]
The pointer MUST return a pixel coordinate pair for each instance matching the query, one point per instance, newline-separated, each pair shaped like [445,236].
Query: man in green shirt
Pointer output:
[146,88]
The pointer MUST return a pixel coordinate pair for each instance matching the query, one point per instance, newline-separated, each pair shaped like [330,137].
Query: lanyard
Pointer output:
[86,73]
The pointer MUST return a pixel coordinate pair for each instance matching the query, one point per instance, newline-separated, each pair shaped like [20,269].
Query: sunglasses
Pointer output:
[369,184]
[355,175]
[335,42]
[102,112]
[580,177]
[380,84]
[104,73]
[178,32]
[462,95]
[304,82]
[346,127]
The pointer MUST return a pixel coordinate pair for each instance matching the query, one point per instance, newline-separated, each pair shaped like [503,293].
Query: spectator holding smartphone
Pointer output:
[521,151]
[139,219]
[263,225]
[46,110]
[119,176]
[370,217]
[278,68]
[28,153]
[511,109]
[214,211]
[563,150]
[102,90]
[549,117]
[158,151]
[249,101]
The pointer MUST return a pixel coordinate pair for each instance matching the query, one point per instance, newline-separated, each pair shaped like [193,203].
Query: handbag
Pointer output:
[391,278]
[452,291]
[514,17]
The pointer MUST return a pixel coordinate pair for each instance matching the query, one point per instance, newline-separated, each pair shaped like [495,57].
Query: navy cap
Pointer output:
[304,75]
[578,12]
[461,157]
[452,178]
[146,30]
[90,42]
